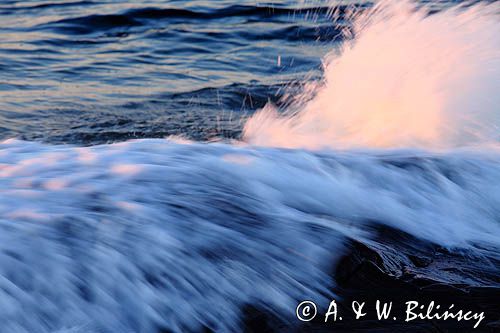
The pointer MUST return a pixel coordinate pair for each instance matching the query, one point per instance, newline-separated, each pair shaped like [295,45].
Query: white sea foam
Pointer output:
[151,233]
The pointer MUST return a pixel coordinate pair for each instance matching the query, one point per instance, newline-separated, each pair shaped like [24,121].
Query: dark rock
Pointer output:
[397,267]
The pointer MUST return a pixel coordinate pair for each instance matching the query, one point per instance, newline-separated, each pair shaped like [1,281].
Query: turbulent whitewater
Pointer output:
[149,234]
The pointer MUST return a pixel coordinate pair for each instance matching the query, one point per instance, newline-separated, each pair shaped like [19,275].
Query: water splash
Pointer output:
[407,79]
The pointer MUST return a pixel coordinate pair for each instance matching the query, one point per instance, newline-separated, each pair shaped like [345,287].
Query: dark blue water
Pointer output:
[103,71]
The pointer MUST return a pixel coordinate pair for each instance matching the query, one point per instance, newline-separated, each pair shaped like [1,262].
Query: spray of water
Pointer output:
[407,79]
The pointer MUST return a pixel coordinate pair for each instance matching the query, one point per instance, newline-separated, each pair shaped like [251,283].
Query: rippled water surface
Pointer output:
[102,71]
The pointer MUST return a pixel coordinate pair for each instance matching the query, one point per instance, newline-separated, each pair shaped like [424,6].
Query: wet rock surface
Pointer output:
[398,268]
